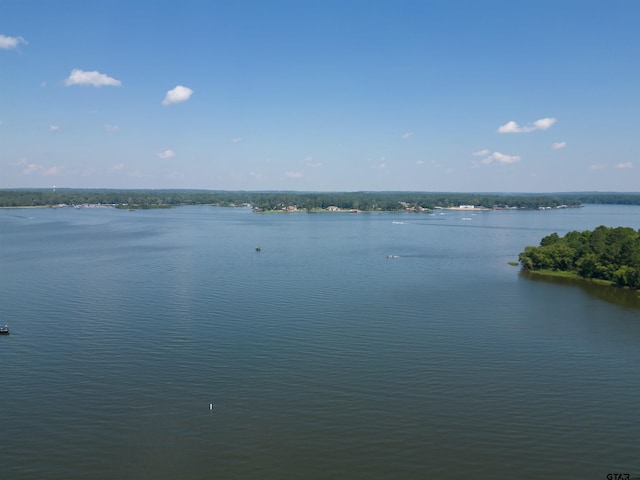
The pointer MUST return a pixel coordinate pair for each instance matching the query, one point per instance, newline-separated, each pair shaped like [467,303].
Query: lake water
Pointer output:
[360,346]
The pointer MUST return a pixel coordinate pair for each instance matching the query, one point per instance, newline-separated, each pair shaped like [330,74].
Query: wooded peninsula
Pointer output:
[272,201]
[607,254]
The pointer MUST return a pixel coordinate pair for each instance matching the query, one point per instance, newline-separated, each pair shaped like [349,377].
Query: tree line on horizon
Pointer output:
[269,201]
[606,253]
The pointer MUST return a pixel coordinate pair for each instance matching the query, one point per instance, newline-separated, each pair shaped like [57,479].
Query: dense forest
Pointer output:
[309,201]
[611,254]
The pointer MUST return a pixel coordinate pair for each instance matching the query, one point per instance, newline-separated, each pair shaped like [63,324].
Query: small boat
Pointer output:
[4,330]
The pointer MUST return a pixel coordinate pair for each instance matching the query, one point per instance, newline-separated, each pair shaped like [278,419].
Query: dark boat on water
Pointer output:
[4,330]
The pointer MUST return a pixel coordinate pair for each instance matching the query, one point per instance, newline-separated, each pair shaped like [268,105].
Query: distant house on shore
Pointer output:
[332,208]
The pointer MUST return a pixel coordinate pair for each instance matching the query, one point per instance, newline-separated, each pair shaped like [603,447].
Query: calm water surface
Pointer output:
[323,357]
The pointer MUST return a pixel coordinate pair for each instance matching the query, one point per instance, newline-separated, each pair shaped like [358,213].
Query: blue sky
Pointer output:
[483,96]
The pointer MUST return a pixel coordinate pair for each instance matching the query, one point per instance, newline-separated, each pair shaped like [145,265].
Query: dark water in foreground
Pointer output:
[324,358]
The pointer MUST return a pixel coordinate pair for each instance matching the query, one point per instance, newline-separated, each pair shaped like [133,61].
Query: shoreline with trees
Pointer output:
[271,201]
[604,255]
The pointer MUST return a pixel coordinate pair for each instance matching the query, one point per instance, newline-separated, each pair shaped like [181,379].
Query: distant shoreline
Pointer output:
[354,202]
[280,210]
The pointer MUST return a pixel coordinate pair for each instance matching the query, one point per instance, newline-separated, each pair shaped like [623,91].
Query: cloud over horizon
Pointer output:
[499,158]
[293,174]
[625,165]
[177,95]
[8,43]
[167,154]
[93,78]
[29,168]
[513,127]
[480,153]
[310,163]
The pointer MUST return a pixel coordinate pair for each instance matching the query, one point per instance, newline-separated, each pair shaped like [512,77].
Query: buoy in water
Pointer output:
[211,407]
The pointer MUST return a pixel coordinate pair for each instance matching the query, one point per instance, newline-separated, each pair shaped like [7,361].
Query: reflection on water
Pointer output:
[620,296]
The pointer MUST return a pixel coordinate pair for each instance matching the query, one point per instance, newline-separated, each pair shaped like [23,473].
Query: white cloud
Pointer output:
[513,127]
[167,154]
[54,128]
[29,168]
[558,145]
[596,166]
[95,78]
[625,165]
[177,95]
[543,123]
[407,135]
[500,158]
[236,140]
[310,163]
[117,167]
[480,153]
[52,171]
[111,128]
[509,127]
[7,43]
[293,174]
[420,162]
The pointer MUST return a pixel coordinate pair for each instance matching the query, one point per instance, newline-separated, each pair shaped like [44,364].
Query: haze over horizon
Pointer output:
[459,96]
